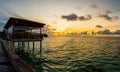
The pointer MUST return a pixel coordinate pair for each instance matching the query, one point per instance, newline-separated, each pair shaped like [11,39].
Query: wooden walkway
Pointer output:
[10,62]
[5,64]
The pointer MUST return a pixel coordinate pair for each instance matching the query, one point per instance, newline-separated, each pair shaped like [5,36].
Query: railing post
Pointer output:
[41,63]
[13,46]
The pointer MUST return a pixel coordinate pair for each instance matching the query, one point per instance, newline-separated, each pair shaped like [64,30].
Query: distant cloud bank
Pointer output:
[74,17]
[108,32]
[107,17]
[104,32]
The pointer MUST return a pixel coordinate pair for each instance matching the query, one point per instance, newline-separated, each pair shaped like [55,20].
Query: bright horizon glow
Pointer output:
[51,12]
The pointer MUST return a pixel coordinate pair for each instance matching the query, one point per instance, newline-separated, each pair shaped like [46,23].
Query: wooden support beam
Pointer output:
[40,43]
[18,46]
[33,46]
[28,46]
[13,46]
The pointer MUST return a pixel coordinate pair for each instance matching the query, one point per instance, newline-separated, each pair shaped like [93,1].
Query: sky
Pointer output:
[65,16]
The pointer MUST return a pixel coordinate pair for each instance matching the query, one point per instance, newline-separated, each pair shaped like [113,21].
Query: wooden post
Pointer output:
[41,63]
[28,46]
[40,43]
[18,47]
[13,46]
[28,39]
[22,46]
[9,43]
[12,43]
[33,46]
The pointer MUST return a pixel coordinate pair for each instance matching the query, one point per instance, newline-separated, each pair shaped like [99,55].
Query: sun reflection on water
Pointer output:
[82,54]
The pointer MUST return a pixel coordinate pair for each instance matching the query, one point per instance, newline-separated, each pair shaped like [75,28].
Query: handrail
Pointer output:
[17,62]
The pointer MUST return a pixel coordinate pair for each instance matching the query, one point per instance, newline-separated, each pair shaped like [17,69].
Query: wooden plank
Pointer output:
[18,63]
[25,40]
[5,65]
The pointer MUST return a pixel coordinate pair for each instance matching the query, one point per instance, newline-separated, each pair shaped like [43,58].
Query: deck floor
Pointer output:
[5,64]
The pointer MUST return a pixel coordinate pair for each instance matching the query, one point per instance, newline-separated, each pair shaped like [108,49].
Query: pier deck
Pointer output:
[5,64]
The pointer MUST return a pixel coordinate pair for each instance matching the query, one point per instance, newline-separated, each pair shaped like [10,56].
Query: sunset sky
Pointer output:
[65,15]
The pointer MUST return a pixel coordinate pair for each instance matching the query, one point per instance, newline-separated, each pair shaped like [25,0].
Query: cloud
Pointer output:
[99,26]
[70,17]
[85,32]
[54,29]
[115,17]
[6,13]
[93,6]
[3,15]
[104,32]
[87,17]
[118,10]
[3,19]
[107,17]
[116,32]
[82,18]
[74,17]
[2,24]
[14,14]
[109,11]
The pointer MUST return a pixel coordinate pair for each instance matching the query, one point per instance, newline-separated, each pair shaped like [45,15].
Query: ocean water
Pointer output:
[82,54]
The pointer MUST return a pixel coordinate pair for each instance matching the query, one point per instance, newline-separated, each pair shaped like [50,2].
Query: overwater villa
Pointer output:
[18,31]
[21,31]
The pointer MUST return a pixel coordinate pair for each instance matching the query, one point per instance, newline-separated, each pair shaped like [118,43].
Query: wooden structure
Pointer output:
[10,62]
[21,31]
[5,64]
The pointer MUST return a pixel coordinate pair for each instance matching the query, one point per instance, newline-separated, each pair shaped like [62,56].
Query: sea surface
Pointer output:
[81,53]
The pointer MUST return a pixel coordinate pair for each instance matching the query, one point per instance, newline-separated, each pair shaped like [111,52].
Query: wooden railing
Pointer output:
[17,62]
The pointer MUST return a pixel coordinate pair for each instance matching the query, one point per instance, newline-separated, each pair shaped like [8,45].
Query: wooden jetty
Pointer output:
[10,62]
[18,31]
[5,64]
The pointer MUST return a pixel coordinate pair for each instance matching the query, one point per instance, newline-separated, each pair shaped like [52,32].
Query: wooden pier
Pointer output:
[5,64]
[10,62]
[18,31]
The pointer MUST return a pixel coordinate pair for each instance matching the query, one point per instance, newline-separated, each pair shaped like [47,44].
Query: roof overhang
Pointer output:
[22,23]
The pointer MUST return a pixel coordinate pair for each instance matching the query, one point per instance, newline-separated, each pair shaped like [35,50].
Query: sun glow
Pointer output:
[60,29]
[67,17]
